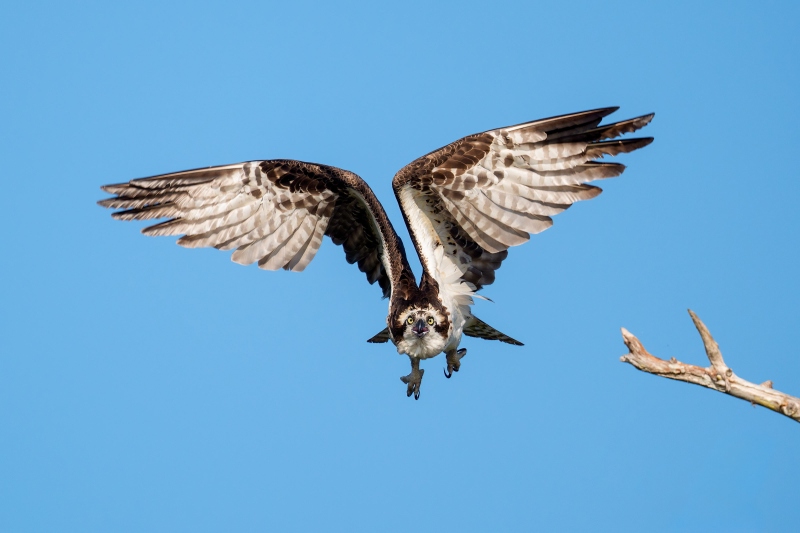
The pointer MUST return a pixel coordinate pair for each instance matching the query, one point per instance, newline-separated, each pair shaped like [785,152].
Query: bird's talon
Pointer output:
[454,362]
[413,380]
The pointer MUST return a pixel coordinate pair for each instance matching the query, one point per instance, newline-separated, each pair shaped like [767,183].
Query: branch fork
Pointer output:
[717,376]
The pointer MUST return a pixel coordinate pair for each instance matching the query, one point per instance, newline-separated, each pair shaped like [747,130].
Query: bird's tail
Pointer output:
[475,327]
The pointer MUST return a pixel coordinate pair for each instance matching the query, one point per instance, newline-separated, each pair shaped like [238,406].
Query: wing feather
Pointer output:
[518,212]
[260,249]
[516,198]
[290,244]
[221,236]
[310,248]
[274,213]
[468,218]
[486,192]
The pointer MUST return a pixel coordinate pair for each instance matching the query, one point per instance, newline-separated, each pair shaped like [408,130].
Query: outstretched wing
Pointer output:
[273,213]
[484,193]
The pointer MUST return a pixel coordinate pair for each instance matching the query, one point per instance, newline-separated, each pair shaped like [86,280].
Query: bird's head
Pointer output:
[422,330]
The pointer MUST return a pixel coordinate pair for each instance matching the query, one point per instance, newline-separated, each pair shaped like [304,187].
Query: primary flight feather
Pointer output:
[464,205]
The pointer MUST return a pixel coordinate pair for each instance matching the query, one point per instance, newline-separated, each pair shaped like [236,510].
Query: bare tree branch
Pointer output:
[717,376]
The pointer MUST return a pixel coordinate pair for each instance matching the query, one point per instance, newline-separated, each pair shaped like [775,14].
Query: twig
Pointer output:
[717,376]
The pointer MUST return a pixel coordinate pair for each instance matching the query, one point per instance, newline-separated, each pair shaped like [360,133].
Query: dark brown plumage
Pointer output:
[464,204]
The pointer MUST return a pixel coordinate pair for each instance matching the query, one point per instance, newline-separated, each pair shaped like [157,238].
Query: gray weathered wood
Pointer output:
[717,376]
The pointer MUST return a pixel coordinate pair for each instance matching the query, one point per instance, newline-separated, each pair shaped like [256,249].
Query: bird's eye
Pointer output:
[430,320]
[410,320]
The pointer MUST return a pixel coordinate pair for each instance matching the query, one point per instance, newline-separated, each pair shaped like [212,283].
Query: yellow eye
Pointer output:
[410,320]
[430,320]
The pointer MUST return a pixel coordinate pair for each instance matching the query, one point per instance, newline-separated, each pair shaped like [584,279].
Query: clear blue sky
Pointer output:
[147,387]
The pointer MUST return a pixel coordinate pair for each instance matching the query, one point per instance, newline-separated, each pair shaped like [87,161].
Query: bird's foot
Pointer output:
[454,361]
[413,380]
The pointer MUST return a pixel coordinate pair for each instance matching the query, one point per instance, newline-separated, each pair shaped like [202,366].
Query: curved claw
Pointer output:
[413,388]
[454,362]
[413,380]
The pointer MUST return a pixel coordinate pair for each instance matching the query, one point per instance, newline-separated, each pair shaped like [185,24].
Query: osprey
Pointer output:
[464,205]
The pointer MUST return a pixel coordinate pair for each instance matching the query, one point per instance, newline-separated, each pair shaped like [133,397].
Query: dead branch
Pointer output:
[716,377]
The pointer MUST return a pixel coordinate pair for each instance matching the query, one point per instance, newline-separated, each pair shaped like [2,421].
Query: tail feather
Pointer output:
[475,327]
[383,336]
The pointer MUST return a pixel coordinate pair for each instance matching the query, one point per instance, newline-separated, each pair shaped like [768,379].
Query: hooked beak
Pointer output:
[420,329]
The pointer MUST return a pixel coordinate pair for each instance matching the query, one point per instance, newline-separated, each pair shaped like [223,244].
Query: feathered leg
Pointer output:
[454,361]
[414,379]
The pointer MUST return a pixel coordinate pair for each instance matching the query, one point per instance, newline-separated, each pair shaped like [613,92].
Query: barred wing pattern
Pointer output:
[274,213]
[468,202]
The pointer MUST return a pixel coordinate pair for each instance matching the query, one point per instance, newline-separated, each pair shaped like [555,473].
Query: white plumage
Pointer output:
[465,205]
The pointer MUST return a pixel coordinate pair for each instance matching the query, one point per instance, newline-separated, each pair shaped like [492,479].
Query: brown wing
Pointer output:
[484,193]
[273,213]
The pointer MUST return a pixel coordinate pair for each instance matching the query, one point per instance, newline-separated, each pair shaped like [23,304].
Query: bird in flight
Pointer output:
[464,205]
